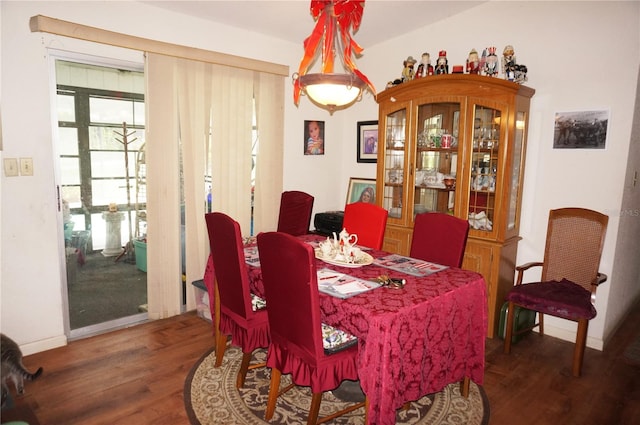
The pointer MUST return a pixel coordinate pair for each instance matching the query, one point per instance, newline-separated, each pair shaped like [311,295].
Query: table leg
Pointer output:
[464,387]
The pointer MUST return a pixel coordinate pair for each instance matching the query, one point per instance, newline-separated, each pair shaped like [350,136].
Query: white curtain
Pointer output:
[202,113]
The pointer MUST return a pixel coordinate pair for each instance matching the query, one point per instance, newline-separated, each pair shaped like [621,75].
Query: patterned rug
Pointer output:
[211,398]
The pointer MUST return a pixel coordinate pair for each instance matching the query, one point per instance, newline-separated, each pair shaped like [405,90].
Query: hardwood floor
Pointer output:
[136,376]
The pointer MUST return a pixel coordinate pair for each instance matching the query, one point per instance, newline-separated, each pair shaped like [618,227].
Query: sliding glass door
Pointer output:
[102,190]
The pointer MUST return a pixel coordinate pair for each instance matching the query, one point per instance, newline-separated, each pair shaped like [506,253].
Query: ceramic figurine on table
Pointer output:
[473,62]
[425,68]
[491,65]
[442,64]
[407,72]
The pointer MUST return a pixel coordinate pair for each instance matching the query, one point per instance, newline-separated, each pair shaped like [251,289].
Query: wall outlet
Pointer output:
[10,167]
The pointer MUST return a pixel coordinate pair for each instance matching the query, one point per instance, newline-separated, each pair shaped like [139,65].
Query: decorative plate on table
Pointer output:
[363,259]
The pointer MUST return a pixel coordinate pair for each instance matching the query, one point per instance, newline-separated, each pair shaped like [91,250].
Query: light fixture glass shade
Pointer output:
[332,90]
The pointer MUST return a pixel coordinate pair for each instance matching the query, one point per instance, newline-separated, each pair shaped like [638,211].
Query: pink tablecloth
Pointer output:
[412,341]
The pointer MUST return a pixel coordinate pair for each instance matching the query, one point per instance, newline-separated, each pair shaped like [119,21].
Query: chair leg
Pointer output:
[274,388]
[244,367]
[314,410]
[366,410]
[541,323]
[219,337]
[508,334]
[581,343]
[221,346]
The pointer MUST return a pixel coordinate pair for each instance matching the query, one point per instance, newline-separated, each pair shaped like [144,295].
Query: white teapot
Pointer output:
[347,239]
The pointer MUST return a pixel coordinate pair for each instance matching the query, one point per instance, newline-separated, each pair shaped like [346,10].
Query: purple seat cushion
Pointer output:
[558,298]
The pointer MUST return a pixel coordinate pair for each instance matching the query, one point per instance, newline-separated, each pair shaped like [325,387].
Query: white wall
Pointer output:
[566,46]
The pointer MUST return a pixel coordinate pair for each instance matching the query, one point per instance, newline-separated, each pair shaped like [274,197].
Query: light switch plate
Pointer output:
[26,166]
[10,167]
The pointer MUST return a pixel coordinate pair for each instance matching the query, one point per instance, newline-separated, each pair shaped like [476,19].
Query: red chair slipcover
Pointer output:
[439,238]
[291,291]
[368,221]
[248,329]
[295,212]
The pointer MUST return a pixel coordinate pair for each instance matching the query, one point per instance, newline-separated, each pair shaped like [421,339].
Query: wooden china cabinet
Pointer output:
[456,144]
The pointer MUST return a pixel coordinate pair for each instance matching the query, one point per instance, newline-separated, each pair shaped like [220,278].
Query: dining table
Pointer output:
[414,339]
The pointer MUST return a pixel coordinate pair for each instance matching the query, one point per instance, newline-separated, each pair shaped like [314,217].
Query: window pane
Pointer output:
[67,141]
[69,171]
[111,164]
[71,194]
[110,111]
[108,191]
[66,108]
[107,138]
[138,113]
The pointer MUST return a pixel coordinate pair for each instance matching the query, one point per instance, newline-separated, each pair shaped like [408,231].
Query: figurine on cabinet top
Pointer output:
[508,63]
[407,72]
[491,64]
[425,68]
[520,74]
[442,64]
[473,62]
[483,62]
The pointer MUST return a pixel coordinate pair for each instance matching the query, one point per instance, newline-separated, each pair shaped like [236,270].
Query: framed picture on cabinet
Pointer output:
[581,130]
[313,137]
[361,190]
[367,141]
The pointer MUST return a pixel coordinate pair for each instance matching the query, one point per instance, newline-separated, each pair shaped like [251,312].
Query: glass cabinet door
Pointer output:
[516,171]
[436,157]
[395,133]
[484,167]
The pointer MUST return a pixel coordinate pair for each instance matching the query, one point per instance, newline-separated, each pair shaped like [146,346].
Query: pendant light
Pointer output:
[335,20]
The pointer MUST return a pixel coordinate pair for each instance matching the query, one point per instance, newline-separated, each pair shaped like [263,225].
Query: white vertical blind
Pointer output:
[163,189]
[193,105]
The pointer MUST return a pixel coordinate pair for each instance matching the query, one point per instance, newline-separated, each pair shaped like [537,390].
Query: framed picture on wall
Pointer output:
[367,141]
[581,130]
[361,190]
[313,137]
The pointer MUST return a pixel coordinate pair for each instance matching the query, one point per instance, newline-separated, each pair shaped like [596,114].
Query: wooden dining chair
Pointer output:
[439,238]
[316,355]
[368,221]
[239,312]
[569,276]
[295,212]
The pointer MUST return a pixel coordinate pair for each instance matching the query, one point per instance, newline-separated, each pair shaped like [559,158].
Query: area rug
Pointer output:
[211,397]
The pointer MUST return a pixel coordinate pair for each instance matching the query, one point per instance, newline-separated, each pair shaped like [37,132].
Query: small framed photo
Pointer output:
[367,141]
[361,190]
[581,130]
[313,137]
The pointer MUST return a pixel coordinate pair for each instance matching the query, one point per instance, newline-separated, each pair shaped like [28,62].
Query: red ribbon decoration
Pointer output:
[348,15]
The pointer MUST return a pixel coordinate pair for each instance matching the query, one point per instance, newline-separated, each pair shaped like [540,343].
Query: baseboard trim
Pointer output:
[570,336]
[43,345]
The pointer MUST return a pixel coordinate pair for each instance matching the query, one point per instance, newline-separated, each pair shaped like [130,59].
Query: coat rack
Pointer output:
[128,249]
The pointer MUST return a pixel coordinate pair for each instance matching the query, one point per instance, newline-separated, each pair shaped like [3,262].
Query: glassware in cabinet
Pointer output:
[395,132]
[436,157]
[484,167]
